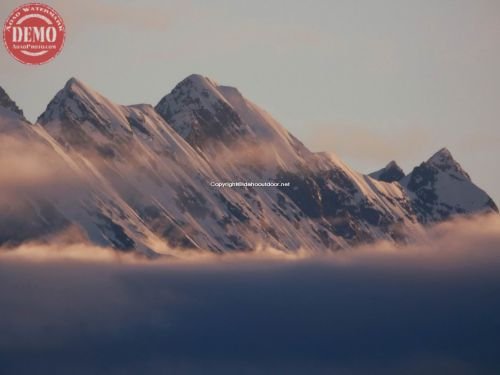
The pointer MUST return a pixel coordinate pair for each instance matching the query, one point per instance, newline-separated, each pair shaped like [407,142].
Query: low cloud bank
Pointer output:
[31,168]
[428,307]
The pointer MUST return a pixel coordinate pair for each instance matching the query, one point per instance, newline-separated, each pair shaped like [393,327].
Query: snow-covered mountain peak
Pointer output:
[197,84]
[444,161]
[80,116]
[79,91]
[78,87]
[195,92]
[198,111]
[73,101]
[199,80]
[8,105]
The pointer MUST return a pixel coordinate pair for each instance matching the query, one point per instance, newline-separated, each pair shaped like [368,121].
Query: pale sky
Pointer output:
[369,80]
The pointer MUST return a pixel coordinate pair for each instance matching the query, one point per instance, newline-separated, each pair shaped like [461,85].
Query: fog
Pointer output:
[428,307]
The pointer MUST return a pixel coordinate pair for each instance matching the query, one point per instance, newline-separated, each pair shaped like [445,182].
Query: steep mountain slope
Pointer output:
[139,170]
[151,177]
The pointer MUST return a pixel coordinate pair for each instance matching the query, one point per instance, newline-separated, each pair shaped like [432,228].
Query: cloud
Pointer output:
[32,161]
[71,245]
[29,167]
[428,307]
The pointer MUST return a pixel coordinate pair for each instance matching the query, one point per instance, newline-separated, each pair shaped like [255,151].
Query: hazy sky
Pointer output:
[372,81]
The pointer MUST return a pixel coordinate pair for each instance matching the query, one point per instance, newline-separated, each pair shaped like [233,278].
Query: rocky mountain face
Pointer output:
[146,179]
[8,104]
[390,173]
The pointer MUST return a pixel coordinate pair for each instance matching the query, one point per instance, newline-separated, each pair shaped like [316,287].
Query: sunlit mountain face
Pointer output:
[147,179]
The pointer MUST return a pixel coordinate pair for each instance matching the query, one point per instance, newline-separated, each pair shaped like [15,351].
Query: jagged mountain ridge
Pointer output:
[145,176]
[174,197]
[356,213]
[440,188]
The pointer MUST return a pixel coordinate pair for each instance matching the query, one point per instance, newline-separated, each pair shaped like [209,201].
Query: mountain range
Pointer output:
[149,179]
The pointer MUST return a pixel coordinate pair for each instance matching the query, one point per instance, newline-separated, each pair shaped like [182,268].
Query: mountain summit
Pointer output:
[441,189]
[444,161]
[77,103]
[200,113]
[390,173]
